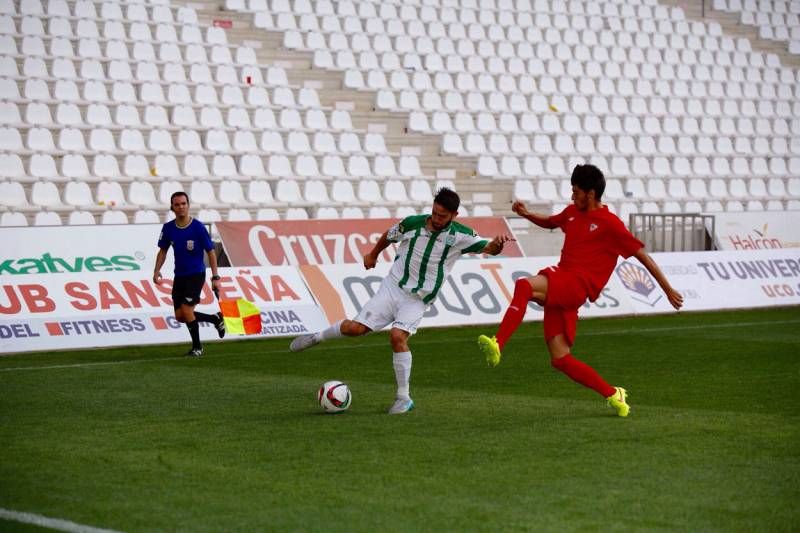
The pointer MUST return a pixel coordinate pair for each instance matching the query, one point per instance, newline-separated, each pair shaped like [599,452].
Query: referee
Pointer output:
[189,239]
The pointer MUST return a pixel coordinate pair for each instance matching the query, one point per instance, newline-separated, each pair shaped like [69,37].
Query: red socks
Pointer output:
[574,368]
[584,374]
[515,312]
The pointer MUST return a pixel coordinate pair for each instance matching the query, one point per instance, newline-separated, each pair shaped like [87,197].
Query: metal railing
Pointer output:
[679,232]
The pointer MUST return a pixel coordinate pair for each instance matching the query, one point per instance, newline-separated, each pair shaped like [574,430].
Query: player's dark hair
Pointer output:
[448,199]
[589,178]
[176,194]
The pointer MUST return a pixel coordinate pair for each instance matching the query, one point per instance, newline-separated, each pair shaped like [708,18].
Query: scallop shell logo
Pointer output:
[636,279]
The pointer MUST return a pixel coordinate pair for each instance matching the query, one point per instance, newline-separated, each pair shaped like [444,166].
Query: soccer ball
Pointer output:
[334,396]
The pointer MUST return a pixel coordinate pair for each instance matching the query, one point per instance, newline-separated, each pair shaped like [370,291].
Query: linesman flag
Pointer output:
[241,317]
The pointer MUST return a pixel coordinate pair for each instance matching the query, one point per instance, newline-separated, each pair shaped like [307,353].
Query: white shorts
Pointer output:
[392,305]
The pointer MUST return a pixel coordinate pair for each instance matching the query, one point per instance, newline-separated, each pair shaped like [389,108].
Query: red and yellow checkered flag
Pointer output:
[241,317]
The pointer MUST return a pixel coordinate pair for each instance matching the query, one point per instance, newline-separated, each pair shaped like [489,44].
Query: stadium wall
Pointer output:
[57,295]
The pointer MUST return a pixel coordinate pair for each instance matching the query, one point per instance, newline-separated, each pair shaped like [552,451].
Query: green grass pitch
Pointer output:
[140,438]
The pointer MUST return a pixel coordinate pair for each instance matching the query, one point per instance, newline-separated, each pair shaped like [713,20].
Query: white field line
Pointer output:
[52,523]
[99,363]
[376,344]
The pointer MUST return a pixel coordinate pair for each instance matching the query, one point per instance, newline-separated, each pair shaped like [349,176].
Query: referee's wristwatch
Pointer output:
[214,278]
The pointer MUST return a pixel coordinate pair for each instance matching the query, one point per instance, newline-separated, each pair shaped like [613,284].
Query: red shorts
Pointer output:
[565,295]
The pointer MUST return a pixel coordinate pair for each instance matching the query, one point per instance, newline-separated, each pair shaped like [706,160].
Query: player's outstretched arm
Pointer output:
[675,298]
[371,258]
[495,246]
[543,221]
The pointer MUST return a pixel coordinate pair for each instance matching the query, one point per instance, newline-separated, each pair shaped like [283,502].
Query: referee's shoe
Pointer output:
[220,325]
[195,352]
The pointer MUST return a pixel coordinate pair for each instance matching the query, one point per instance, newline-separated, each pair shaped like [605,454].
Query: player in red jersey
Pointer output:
[594,239]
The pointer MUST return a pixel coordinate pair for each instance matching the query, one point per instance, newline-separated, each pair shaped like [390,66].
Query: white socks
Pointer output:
[402,372]
[401,361]
[334,331]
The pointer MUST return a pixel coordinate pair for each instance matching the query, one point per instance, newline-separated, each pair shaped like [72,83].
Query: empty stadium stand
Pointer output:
[265,109]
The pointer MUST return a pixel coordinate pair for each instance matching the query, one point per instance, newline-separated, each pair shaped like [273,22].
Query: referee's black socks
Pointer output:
[204,317]
[194,331]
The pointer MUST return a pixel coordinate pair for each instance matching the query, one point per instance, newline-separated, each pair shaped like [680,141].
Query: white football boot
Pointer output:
[401,405]
[303,342]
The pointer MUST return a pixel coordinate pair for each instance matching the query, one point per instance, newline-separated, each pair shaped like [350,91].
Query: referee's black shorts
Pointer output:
[187,289]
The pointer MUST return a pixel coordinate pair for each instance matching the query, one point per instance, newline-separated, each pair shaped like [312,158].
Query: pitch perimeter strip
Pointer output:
[373,345]
[52,523]
[97,363]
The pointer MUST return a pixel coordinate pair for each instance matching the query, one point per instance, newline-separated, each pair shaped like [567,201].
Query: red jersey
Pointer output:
[593,241]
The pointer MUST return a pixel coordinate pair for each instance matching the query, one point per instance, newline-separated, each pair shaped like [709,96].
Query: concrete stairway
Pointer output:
[361,106]
[732,28]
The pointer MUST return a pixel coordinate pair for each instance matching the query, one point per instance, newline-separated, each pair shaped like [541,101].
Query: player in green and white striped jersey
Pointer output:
[429,246]
[424,257]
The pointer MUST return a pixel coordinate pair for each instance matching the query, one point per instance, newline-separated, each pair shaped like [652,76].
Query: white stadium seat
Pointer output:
[138,93]
[47,218]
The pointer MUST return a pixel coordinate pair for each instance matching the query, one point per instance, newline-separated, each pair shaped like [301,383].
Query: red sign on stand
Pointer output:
[326,242]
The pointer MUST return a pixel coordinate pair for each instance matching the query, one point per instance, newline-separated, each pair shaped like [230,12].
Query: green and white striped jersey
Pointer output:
[424,258]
